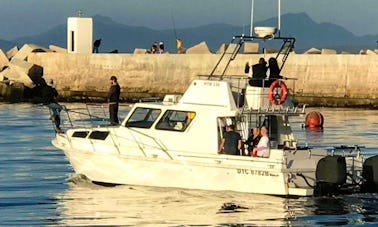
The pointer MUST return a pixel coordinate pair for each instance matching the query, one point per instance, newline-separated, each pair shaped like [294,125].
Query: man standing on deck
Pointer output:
[231,142]
[113,99]
[49,95]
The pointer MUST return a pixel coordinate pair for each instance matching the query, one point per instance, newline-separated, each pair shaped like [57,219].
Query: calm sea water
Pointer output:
[38,186]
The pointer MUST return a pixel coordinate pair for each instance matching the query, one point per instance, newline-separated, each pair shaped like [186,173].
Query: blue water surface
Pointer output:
[39,188]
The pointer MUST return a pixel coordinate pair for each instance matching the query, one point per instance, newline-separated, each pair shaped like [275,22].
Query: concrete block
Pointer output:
[26,49]
[25,72]
[140,51]
[3,60]
[231,48]
[251,48]
[57,49]
[10,53]
[370,52]
[269,51]
[12,92]
[328,51]
[200,48]
[13,75]
[312,51]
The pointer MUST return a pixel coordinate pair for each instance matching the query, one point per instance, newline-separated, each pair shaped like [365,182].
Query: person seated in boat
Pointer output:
[253,140]
[258,73]
[231,142]
[274,71]
[263,148]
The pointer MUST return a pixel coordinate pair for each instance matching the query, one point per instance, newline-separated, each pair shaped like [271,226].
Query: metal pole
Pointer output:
[251,29]
[279,18]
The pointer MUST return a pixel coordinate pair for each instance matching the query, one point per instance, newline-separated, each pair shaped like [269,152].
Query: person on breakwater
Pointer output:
[96,45]
[161,48]
[154,48]
[113,100]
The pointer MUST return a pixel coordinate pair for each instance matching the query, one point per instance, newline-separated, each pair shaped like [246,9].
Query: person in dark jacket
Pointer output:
[96,45]
[49,96]
[231,142]
[113,99]
[253,140]
[258,73]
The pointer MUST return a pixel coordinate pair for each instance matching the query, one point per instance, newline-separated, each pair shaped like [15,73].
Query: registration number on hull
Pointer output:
[263,173]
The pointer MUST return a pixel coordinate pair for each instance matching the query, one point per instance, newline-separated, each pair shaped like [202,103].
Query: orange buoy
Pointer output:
[314,119]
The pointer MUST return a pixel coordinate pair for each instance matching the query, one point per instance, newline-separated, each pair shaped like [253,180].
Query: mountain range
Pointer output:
[124,38]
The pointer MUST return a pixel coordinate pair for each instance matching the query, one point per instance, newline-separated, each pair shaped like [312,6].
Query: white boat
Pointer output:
[174,143]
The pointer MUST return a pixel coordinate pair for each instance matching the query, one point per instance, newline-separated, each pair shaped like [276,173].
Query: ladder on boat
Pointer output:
[233,49]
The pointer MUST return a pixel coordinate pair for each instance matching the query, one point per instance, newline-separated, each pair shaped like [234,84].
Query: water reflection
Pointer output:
[85,203]
[353,209]
[136,205]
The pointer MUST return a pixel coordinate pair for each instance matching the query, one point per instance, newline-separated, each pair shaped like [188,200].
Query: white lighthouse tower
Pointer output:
[79,34]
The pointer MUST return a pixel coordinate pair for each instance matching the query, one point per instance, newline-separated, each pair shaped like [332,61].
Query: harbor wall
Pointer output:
[318,80]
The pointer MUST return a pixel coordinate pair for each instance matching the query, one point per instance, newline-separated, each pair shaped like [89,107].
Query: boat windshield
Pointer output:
[143,117]
[175,120]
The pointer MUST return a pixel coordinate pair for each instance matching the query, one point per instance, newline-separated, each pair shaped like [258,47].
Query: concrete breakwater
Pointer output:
[320,80]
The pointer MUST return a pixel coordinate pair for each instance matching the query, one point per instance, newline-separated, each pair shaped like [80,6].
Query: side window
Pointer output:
[143,118]
[175,120]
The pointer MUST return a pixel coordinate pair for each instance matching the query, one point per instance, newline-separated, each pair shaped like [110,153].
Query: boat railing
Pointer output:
[239,84]
[233,48]
[96,115]
[89,115]
[345,150]
[276,110]
[158,142]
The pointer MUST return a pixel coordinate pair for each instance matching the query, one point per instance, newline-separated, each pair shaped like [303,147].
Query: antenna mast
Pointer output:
[251,29]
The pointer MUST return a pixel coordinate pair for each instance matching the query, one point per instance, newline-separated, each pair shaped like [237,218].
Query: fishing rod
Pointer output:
[174,25]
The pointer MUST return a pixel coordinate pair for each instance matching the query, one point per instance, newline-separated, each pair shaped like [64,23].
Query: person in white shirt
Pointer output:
[262,149]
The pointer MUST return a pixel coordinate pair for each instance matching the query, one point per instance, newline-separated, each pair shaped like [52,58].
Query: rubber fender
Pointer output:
[331,169]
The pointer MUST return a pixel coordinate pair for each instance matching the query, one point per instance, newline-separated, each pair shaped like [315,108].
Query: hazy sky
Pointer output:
[25,17]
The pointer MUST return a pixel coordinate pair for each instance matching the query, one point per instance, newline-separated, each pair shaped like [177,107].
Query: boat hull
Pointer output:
[223,172]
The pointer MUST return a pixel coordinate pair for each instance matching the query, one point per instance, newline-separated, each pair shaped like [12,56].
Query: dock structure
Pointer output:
[342,80]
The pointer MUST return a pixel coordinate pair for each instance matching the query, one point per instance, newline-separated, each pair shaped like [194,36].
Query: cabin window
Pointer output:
[80,134]
[98,135]
[143,117]
[175,120]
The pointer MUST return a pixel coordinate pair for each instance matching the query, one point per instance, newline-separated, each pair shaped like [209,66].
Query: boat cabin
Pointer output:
[197,121]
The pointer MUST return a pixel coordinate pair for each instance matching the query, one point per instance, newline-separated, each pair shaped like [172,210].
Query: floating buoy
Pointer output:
[314,120]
